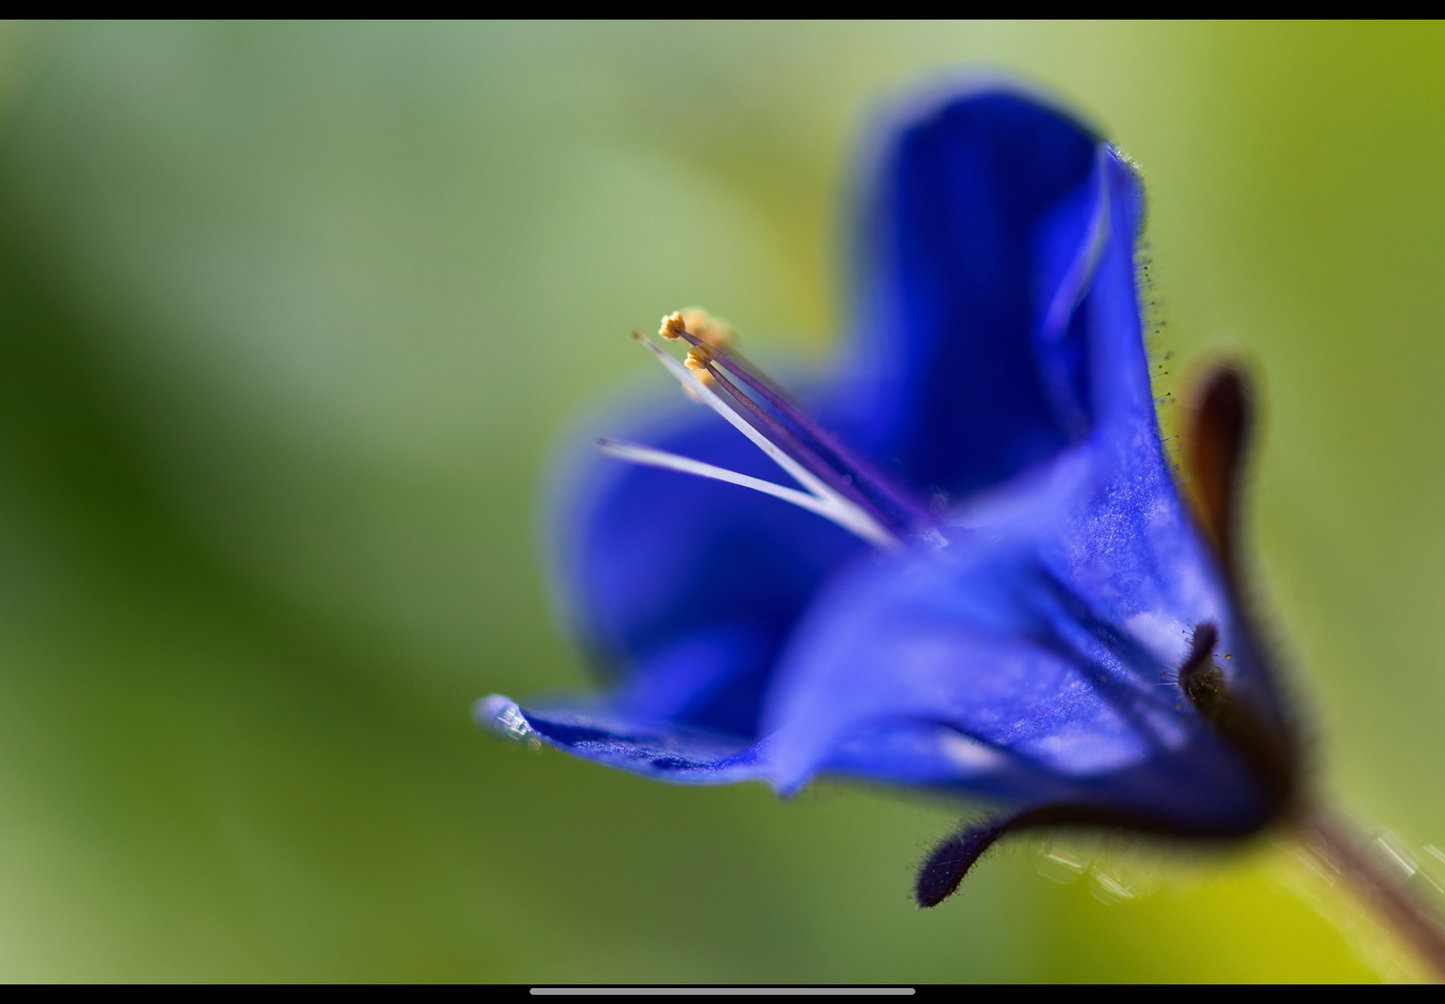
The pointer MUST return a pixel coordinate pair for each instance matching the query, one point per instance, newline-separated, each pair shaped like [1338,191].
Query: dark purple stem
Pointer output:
[1345,849]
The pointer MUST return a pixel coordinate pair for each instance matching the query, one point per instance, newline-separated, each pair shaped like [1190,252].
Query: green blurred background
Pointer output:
[289,318]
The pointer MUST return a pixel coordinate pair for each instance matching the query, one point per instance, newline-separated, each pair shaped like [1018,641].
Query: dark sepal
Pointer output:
[950,861]
[1217,438]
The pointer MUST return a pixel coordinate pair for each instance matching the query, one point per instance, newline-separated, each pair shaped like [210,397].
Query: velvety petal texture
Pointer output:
[1026,646]
[974,203]
[1049,631]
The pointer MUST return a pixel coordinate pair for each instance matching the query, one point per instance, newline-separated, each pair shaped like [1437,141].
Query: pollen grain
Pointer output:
[699,358]
[673,327]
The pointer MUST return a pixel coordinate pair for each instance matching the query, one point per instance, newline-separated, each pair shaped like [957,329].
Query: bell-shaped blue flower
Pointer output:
[989,583]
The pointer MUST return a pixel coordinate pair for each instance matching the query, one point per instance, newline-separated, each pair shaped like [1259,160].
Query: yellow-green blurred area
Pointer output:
[290,320]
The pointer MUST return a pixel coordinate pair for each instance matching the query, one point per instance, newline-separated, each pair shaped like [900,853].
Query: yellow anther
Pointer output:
[699,357]
[713,330]
[672,327]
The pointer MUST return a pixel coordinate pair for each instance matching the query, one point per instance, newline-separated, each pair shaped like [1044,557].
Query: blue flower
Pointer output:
[988,582]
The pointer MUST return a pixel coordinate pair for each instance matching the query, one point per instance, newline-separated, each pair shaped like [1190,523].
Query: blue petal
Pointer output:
[983,236]
[1119,363]
[662,751]
[1049,631]
[920,752]
[686,588]
[1031,660]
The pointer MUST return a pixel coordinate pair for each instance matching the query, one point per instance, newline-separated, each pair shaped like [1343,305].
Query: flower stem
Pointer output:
[1381,878]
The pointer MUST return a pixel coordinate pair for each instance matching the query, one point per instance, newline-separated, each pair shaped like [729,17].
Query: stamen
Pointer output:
[649,457]
[673,327]
[699,358]
[849,469]
[795,447]
[841,510]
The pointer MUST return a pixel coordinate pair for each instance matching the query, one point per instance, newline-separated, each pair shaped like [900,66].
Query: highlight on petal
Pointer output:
[1120,393]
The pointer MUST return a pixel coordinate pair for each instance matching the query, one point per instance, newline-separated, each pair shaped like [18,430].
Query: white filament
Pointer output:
[648,457]
[819,498]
